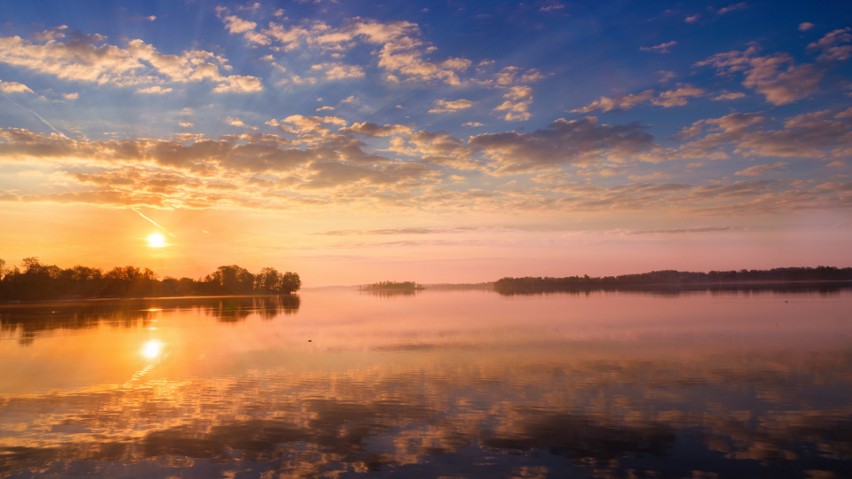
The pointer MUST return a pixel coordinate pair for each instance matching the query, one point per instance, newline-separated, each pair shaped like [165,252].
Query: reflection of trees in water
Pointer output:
[32,319]
[774,416]
[239,308]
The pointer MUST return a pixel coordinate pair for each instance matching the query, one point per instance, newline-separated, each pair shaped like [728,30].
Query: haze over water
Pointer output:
[453,384]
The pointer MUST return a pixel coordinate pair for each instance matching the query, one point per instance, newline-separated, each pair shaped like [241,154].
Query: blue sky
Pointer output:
[450,128]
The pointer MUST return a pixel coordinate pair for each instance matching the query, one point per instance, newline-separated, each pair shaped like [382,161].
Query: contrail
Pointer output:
[158,225]
[48,124]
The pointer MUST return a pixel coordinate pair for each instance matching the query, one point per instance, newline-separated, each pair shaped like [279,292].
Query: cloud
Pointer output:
[400,51]
[676,97]
[821,135]
[450,106]
[732,8]
[776,77]
[89,59]
[834,45]
[761,170]
[666,75]
[517,103]
[235,122]
[692,18]
[563,142]
[666,99]
[661,48]
[13,87]
[339,71]
[154,90]
[727,96]
[71,96]
[624,102]
[805,26]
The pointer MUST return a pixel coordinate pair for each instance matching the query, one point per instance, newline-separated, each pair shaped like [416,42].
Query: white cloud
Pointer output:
[339,71]
[14,87]
[692,18]
[450,106]
[138,64]
[154,90]
[805,26]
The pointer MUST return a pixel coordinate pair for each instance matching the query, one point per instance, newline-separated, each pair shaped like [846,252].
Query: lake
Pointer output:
[453,384]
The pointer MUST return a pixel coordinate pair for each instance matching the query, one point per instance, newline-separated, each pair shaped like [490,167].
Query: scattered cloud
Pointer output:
[805,26]
[692,18]
[517,103]
[729,95]
[154,90]
[14,87]
[761,170]
[235,122]
[732,8]
[835,45]
[71,96]
[339,71]
[666,76]
[90,59]
[450,106]
[821,135]
[563,142]
[677,97]
[666,99]
[661,48]
[776,76]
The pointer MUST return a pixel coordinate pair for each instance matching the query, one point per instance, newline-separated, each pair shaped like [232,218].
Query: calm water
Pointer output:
[462,384]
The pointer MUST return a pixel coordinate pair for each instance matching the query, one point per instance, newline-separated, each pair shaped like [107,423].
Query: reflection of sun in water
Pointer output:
[156,240]
[152,349]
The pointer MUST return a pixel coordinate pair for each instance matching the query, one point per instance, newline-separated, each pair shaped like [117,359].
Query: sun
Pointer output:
[152,348]
[156,240]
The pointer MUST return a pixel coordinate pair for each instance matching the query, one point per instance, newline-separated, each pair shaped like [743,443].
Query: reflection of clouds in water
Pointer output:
[776,415]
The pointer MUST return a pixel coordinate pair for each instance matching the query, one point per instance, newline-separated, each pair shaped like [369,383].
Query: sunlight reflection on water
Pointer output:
[459,384]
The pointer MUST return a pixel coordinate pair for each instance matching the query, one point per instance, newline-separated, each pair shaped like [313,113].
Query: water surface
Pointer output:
[437,384]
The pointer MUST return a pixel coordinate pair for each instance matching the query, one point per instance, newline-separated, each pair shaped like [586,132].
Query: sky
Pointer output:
[453,141]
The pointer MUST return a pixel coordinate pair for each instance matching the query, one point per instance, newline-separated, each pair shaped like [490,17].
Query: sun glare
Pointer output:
[152,348]
[156,240]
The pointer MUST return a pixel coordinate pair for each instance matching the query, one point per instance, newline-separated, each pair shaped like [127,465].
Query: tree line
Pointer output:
[37,281]
[674,279]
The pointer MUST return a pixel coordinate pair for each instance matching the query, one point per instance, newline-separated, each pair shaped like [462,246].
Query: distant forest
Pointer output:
[677,280]
[36,281]
[391,286]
